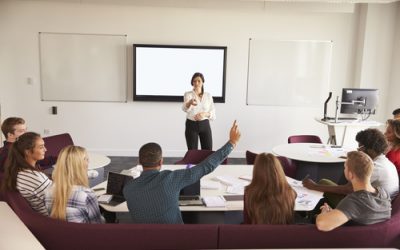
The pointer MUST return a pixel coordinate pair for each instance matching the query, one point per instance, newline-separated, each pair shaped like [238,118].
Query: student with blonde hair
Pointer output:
[268,199]
[70,198]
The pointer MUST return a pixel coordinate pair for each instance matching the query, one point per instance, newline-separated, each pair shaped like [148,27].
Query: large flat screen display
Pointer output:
[164,72]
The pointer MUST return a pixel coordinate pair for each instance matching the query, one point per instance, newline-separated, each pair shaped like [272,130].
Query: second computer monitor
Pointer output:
[359,101]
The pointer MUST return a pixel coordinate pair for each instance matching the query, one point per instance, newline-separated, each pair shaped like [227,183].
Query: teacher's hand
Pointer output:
[234,134]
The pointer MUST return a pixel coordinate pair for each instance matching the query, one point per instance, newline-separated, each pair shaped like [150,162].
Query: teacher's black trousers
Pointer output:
[196,129]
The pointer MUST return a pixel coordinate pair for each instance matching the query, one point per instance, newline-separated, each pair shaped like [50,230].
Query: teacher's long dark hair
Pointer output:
[198,74]
[16,159]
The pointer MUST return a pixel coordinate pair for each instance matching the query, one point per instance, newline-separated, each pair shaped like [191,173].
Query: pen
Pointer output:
[305,177]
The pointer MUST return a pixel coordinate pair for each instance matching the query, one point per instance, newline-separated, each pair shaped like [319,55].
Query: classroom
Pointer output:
[365,53]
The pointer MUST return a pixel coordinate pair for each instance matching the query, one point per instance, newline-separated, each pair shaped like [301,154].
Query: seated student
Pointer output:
[268,199]
[12,128]
[366,205]
[22,172]
[392,135]
[396,114]
[384,174]
[69,198]
[153,196]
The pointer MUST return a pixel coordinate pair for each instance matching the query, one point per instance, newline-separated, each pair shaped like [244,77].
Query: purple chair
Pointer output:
[58,234]
[304,139]
[289,167]
[195,156]
[250,157]
[55,143]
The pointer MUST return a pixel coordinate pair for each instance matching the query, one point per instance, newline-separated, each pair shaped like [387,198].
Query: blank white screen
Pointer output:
[168,71]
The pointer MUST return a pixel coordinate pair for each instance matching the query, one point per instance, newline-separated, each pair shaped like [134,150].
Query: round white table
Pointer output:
[316,161]
[311,152]
[97,162]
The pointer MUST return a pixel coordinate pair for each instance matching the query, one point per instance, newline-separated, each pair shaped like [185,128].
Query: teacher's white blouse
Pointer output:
[206,104]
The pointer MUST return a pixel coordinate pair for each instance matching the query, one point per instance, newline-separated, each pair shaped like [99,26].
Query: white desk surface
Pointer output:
[97,160]
[353,123]
[14,234]
[233,171]
[311,152]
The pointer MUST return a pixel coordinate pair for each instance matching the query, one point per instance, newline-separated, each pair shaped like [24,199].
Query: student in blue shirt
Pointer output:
[153,196]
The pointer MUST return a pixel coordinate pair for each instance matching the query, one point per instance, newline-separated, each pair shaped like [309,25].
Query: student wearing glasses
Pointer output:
[384,174]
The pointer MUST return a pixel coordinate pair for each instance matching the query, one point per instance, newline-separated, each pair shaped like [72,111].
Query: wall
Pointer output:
[393,95]
[121,128]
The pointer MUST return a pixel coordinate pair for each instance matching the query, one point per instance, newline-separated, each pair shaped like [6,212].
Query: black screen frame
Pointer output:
[176,98]
[370,106]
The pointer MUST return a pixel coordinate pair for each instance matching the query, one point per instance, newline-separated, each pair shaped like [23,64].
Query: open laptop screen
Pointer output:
[116,183]
[191,190]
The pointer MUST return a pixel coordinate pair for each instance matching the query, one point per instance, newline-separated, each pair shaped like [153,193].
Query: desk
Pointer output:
[313,159]
[232,208]
[14,234]
[347,129]
[97,162]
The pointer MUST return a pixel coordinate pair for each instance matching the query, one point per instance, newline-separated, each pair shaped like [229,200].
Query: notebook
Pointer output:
[115,185]
[190,195]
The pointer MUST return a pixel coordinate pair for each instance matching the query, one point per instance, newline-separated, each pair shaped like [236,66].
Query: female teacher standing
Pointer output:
[199,108]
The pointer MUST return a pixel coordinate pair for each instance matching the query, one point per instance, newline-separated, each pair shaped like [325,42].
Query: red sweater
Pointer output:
[394,156]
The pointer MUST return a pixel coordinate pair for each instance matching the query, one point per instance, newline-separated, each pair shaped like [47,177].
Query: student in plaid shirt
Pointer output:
[70,198]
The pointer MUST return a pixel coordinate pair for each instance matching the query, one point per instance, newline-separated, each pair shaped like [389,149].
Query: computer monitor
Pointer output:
[359,101]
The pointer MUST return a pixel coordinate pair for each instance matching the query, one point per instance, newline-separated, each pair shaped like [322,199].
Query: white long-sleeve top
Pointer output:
[206,104]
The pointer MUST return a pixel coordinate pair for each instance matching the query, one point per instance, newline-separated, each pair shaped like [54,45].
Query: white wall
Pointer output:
[393,95]
[121,128]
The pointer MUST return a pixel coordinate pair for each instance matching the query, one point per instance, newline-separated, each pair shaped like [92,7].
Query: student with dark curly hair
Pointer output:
[384,174]
[392,135]
[396,114]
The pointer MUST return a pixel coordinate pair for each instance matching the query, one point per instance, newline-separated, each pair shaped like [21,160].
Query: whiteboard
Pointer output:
[288,73]
[83,67]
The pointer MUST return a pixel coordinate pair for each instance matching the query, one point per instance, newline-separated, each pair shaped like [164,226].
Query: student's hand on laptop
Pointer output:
[234,134]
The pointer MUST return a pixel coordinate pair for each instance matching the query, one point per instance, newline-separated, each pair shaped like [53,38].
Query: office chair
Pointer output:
[289,167]
[304,139]
[250,157]
[195,156]
[55,143]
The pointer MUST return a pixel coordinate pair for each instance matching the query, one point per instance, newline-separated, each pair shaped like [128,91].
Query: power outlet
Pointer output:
[46,131]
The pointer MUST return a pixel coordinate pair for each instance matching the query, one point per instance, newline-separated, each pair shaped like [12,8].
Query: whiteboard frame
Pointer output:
[294,103]
[125,85]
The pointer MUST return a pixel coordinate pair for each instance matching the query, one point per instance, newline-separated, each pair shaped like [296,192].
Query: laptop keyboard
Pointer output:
[189,198]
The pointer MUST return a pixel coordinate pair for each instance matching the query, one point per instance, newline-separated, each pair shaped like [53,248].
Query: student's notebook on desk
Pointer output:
[115,185]
[190,195]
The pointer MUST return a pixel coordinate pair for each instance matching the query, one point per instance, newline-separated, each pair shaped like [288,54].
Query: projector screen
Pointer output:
[164,72]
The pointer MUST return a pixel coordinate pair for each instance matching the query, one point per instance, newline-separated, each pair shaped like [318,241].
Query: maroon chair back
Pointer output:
[1,181]
[250,157]
[195,156]
[55,143]
[58,234]
[289,167]
[304,139]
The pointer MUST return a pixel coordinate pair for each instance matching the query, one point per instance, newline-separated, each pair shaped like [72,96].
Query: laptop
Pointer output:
[115,185]
[190,195]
